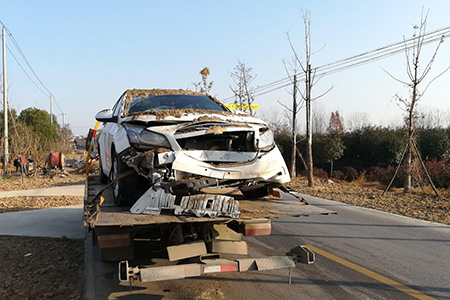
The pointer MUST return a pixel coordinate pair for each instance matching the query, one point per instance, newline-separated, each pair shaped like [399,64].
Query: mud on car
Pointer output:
[182,142]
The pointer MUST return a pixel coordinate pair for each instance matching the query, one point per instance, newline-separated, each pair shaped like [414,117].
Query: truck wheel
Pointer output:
[103,177]
[256,193]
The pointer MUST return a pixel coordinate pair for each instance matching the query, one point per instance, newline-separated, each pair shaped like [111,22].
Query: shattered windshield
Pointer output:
[166,102]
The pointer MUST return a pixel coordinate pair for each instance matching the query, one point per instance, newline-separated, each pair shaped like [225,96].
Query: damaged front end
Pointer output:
[180,160]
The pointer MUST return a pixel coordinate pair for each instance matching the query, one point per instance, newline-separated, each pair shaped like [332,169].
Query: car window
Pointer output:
[166,102]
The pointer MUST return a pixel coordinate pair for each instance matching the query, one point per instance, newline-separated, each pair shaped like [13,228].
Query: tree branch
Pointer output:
[405,83]
[320,96]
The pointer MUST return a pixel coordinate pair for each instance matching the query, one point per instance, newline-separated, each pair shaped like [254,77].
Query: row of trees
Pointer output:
[367,147]
[32,133]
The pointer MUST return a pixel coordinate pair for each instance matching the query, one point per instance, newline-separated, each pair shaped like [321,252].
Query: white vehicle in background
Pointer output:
[181,142]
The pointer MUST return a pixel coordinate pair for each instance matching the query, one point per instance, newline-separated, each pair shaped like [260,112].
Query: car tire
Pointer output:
[256,193]
[127,190]
[103,177]
[120,188]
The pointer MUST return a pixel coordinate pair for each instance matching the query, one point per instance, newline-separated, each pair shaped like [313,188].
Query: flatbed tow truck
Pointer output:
[195,245]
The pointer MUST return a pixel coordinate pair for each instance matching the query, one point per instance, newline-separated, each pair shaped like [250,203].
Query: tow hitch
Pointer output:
[212,263]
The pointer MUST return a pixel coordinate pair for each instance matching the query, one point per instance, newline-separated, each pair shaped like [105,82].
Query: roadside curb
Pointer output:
[89,289]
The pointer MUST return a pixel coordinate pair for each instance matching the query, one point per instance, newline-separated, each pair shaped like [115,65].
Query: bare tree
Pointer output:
[416,76]
[319,118]
[291,112]
[204,86]
[433,118]
[357,120]
[243,92]
[310,80]
[276,122]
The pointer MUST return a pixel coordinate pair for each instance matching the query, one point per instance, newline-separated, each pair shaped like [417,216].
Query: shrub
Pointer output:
[439,172]
[320,173]
[338,175]
[372,145]
[434,143]
[375,173]
[388,173]
[350,173]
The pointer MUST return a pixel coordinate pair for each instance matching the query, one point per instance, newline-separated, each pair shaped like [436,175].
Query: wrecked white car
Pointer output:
[180,142]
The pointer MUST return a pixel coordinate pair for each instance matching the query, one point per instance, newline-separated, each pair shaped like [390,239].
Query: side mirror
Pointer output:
[105,115]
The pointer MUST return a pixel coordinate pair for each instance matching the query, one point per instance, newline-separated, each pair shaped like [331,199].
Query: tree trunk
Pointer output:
[410,124]
[309,159]
[408,162]
[294,129]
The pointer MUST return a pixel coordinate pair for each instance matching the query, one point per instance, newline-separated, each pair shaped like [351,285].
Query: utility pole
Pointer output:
[51,113]
[63,119]
[294,129]
[5,102]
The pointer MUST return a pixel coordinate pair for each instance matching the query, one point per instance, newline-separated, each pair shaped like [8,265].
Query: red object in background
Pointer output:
[23,159]
[55,159]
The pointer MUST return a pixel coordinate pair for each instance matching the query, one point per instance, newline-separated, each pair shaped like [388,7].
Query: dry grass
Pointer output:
[54,178]
[421,203]
[40,181]
[11,204]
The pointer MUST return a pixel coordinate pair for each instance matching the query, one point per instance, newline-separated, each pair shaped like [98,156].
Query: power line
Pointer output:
[29,77]
[356,60]
[399,45]
[19,49]
[26,60]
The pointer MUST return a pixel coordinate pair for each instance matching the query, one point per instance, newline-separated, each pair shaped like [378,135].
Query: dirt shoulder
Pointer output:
[420,204]
[14,182]
[11,204]
[41,268]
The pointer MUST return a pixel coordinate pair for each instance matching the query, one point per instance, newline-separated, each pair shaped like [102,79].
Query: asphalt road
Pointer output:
[360,254]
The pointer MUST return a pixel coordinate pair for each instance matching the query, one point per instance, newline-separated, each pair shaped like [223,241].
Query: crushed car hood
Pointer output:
[192,116]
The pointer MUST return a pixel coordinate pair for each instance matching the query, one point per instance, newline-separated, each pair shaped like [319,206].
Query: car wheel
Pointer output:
[128,189]
[103,177]
[120,189]
[256,193]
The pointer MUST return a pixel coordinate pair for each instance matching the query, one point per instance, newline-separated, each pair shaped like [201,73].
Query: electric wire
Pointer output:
[22,54]
[356,60]
[29,77]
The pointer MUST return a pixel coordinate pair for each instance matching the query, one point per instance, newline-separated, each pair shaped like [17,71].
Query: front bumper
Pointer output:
[268,166]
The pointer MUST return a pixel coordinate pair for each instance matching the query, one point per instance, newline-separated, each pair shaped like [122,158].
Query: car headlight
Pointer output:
[265,139]
[142,138]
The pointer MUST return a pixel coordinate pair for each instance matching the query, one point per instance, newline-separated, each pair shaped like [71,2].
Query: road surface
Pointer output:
[360,254]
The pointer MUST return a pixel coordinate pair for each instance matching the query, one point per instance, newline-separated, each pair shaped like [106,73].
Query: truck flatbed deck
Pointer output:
[111,215]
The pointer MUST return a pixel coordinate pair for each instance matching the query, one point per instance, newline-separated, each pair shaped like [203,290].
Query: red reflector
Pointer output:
[227,268]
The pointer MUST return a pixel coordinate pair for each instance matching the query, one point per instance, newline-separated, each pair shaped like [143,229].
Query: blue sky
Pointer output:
[88,52]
